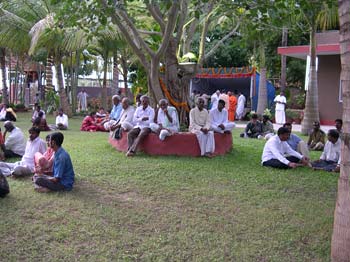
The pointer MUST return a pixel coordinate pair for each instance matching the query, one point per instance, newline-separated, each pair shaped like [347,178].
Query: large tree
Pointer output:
[341,230]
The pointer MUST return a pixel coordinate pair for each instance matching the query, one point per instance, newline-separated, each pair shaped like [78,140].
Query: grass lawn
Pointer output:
[145,208]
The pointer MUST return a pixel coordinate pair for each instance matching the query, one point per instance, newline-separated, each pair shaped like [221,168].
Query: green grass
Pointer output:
[145,208]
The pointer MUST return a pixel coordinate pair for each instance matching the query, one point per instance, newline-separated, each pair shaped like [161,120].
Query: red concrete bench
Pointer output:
[180,144]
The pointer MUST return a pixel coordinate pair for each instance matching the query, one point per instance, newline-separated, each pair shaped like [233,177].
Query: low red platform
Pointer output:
[180,144]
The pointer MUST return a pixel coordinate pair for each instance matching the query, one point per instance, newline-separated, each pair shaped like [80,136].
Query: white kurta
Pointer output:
[214,99]
[217,118]
[198,120]
[226,99]
[169,128]
[280,115]
[240,106]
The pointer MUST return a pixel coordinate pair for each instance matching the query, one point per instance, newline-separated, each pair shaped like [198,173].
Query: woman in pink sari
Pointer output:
[90,124]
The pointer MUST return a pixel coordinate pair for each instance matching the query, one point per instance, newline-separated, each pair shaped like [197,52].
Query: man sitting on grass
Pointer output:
[295,142]
[219,119]
[15,143]
[277,153]
[253,128]
[317,138]
[63,173]
[26,166]
[330,158]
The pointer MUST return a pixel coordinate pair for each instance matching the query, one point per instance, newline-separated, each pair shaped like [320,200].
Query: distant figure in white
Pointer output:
[240,105]
[82,100]
[215,99]
[280,115]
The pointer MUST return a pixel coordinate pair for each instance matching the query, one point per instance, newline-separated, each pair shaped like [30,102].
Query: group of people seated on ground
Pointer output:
[287,150]
[39,120]
[258,129]
[48,163]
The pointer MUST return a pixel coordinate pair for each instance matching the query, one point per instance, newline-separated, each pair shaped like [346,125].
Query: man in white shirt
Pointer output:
[166,121]
[142,119]
[276,149]
[61,120]
[214,99]
[15,143]
[240,105]
[219,119]
[37,109]
[330,157]
[26,166]
[125,121]
[280,115]
[200,126]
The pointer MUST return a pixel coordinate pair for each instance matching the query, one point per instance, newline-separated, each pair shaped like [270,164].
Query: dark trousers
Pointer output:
[325,165]
[10,153]
[135,137]
[278,164]
[45,182]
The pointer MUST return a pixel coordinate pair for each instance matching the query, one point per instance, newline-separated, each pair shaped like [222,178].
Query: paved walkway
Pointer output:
[296,128]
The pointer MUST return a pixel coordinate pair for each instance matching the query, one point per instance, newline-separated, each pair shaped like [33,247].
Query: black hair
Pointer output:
[287,124]
[339,120]
[255,116]
[333,133]
[58,138]
[35,130]
[282,131]
[221,102]
[41,114]
[48,137]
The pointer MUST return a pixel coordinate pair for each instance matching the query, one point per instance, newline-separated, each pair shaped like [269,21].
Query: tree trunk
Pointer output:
[115,81]
[75,78]
[154,89]
[104,82]
[3,75]
[63,96]
[311,112]
[340,250]
[262,96]
[284,59]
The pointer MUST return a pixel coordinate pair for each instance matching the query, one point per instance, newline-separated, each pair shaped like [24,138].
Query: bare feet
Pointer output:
[130,153]
[42,190]
[209,155]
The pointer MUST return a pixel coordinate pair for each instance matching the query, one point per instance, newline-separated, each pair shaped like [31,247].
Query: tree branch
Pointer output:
[157,15]
[169,29]
[128,37]
[182,19]
[222,40]
[204,34]
[146,32]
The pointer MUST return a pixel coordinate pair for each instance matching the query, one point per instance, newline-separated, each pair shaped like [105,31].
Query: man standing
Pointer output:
[280,115]
[114,116]
[214,99]
[339,125]
[224,96]
[166,121]
[276,149]
[15,143]
[63,173]
[240,105]
[232,106]
[200,125]
[316,138]
[82,100]
[218,119]
[61,120]
[142,119]
[26,166]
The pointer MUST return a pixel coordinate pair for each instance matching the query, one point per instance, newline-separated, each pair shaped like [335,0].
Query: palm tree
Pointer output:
[341,232]
[315,14]
[3,75]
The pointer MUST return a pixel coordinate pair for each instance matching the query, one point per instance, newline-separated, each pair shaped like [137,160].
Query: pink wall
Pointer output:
[328,88]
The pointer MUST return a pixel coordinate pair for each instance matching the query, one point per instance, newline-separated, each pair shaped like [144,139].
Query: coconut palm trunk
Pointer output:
[262,96]
[63,96]
[3,75]
[311,112]
[340,251]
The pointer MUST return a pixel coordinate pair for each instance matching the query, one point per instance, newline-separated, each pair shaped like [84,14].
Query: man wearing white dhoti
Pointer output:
[218,119]
[82,100]
[166,121]
[214,99]
[200,125]
[280,115]
[240,105]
